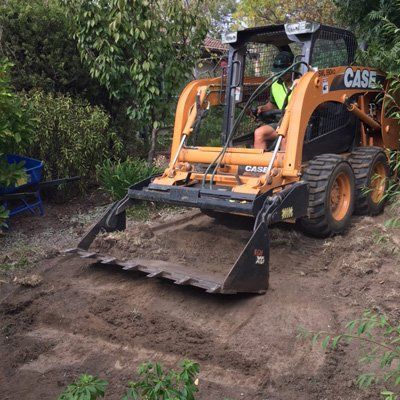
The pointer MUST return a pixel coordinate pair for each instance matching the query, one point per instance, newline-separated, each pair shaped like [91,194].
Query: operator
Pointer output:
[279,89]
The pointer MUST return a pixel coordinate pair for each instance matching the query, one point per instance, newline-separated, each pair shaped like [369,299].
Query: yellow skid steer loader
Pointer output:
[332,140]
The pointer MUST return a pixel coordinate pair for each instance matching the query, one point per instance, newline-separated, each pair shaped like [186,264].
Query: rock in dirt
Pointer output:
[29,280]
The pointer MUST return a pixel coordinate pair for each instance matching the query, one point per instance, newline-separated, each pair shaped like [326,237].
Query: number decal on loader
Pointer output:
[287,212]
[259,254]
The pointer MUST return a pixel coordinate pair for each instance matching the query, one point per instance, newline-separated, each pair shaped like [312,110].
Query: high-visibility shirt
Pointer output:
[278,93]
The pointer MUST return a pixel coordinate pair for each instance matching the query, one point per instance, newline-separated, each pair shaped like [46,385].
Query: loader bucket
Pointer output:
[248,274]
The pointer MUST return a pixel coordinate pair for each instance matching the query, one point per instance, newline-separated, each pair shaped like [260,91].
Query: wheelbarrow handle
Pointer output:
[57,182]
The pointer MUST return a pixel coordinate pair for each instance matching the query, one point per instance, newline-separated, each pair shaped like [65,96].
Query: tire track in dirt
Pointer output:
[104,321]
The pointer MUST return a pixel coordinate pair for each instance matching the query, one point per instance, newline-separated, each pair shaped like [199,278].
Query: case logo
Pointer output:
[251,168]
[360,79]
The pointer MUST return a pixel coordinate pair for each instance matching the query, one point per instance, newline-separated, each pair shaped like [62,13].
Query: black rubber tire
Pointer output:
[363,161]
[321,174]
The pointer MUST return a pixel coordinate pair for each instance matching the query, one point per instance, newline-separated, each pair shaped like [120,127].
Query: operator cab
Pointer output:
[251,54]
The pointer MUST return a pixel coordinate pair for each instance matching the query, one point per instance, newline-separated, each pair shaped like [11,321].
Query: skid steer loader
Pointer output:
[336,130]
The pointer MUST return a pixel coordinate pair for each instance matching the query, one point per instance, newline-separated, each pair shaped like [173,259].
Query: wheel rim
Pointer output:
[340,196]
[378,182]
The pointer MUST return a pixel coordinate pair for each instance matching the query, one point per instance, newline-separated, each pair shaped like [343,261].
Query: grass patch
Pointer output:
[9,265]
[143,212]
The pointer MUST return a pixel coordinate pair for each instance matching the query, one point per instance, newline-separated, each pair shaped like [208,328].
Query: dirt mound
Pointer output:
[104,321]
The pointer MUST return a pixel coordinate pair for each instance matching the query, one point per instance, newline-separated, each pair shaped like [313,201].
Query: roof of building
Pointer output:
[215,44]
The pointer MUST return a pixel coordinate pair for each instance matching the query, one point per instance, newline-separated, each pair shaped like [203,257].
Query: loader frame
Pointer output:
[265,185]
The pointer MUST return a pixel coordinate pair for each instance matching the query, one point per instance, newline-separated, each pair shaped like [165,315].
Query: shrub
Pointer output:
[116,177]
[16,125]
[36,38]
[72,138]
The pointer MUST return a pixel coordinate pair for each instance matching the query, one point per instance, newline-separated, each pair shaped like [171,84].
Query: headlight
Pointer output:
[301,27]
[230,37]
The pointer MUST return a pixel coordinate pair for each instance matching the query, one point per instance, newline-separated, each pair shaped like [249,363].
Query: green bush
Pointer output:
[16,125]
[72,137]
[116,177]
[36,37]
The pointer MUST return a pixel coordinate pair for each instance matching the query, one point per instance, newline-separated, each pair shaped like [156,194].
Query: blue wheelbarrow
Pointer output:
[25,195]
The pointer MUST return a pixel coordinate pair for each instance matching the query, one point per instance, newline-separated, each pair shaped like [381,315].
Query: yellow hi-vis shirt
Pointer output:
[278,93]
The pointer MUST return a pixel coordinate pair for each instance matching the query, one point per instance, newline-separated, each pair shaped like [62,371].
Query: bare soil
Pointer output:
[63,316]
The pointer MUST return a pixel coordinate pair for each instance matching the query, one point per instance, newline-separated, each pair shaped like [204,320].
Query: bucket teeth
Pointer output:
[184,281]
[70,251]
[86,254]
[214,289]
[155,274]
[160,269]
[129,266]
[108,260]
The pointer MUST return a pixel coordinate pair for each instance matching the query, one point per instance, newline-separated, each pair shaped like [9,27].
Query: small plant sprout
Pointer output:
[86,387]
[379,342]
[158,384]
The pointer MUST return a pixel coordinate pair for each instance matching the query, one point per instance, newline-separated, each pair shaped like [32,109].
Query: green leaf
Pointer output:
[335,341]
[325,342]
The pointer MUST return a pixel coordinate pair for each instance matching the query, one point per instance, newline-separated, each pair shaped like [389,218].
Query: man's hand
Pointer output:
[261,109]
[295,82]
[267,107]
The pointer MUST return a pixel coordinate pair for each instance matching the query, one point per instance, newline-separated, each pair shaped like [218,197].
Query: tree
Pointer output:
[35,36]
[140,51]
[221,15]
[378,23]
[264,12]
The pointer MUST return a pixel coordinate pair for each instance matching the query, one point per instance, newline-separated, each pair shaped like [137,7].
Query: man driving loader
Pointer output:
[279,90]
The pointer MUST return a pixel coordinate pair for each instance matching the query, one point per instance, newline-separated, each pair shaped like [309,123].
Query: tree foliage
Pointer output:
[35,36]
[141,51]
[264,12]
[220,14]
[378,23]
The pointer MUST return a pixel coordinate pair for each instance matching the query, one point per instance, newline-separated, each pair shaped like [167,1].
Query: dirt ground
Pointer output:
[61,316]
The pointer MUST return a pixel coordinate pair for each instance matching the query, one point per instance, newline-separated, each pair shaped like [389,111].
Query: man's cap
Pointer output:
[283,60]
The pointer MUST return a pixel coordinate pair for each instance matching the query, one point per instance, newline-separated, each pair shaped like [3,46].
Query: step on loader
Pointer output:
[330,157]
